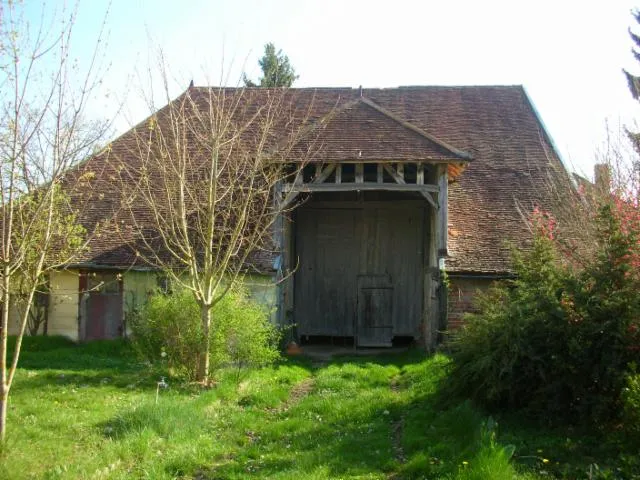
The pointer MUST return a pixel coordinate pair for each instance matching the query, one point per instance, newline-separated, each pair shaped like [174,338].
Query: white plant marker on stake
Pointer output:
[161,384]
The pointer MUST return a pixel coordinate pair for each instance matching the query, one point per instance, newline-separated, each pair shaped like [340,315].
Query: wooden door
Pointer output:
[328,247]
[103,308]
[392,246]
[375,311]
[359,271]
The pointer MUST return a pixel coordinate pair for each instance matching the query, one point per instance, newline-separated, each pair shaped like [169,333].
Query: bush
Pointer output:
[631,406]
[556,341]
[604,315]
[504,355]
[242,334]
[168,330]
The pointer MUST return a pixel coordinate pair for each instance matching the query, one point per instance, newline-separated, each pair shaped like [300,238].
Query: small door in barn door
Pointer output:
[375,311]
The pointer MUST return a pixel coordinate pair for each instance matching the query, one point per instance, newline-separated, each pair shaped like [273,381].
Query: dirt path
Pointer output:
[397,428]
[298,392]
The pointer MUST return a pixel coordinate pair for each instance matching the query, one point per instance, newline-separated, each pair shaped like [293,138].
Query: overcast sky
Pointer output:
[569,55]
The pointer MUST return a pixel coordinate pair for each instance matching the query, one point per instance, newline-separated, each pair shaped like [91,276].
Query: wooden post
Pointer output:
[279,238]
[443,216]
[339,173]
[443,220]
[420,174]
[287,266]
[83,287]
[380,176]
[359,173]
[400,170]
[431,314]
[399,179]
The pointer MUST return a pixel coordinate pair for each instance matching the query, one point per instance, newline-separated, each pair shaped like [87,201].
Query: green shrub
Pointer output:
[504,355]
[242,334]
[631,406]
[168,329]
[555,340]
[603,312]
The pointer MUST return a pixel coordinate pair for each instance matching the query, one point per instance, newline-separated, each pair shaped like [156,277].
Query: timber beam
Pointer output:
[393,177]
[350,187]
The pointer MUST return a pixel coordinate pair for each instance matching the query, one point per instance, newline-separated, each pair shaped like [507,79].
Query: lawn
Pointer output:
[90,411]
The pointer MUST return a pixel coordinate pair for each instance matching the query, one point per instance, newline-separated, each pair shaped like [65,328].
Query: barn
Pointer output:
[404,210]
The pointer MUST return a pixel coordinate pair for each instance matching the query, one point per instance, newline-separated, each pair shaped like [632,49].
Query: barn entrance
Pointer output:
[360,270]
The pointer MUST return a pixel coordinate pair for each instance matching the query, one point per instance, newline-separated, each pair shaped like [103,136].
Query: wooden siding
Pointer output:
[15,315]
[140,285]
[337,244]
[325,283]
[63,304]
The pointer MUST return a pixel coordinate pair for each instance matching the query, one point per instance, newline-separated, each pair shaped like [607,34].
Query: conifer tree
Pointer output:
[276,69]
[633,81]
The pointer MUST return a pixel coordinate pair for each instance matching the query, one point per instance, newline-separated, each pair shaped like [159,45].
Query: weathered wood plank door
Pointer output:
[375,311]
[359,272]
[328,248]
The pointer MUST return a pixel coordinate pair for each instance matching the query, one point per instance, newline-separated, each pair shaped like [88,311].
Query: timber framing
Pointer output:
[368,176]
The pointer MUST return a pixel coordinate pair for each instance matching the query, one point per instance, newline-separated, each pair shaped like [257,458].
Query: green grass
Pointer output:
[89,411]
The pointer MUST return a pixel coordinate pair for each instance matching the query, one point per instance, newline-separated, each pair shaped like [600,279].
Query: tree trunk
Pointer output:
[4,401]
[4,332]
[203,368]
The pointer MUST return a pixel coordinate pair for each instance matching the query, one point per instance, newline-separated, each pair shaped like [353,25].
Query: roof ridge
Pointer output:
[456,151]
[366,89]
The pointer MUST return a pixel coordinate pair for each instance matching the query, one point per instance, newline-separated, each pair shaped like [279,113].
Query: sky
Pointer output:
[568,55]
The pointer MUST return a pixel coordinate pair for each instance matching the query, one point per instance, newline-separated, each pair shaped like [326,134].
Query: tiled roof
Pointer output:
[361,130]
[513,160]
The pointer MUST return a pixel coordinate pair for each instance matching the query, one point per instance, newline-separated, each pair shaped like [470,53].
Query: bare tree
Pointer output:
[574,201]
[201,179]
[42,134]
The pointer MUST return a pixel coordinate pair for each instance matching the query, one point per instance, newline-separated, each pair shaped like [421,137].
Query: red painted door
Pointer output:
[103,309]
